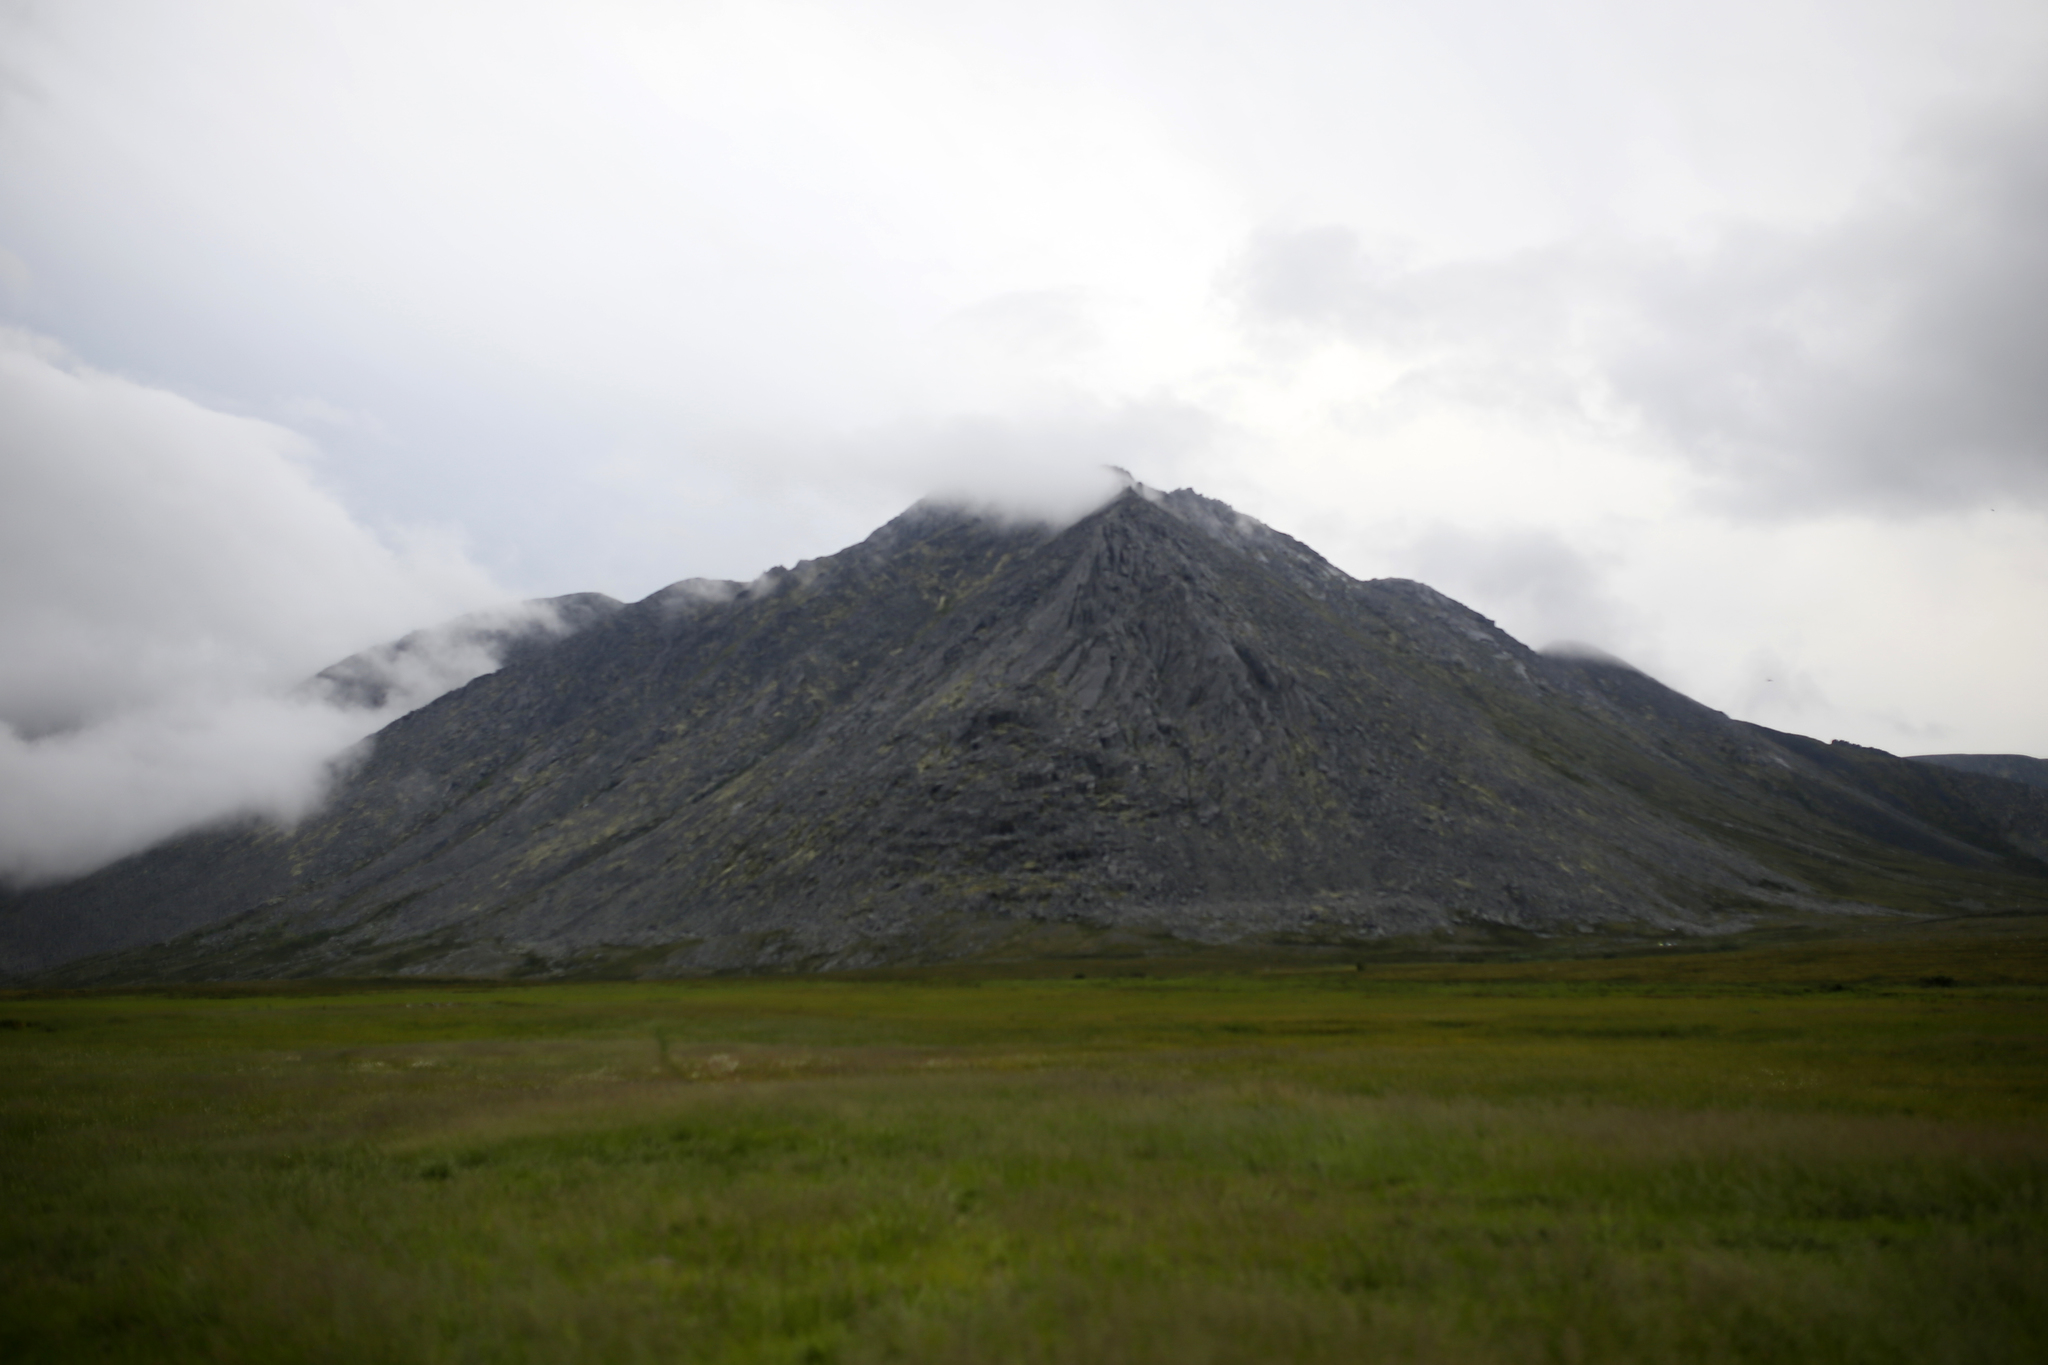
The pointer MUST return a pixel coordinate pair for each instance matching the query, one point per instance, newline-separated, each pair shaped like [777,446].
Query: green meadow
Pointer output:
[1822,1149]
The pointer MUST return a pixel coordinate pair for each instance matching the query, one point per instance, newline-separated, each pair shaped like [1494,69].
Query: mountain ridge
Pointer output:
[2012,767]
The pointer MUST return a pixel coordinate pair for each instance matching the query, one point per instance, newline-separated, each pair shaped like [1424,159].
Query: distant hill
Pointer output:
[960,735]
[2012,767]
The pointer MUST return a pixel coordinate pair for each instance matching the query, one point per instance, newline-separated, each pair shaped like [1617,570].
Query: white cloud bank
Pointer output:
[169,576]
[1887,363]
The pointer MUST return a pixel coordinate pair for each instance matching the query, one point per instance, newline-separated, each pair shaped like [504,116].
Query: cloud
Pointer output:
[1054,466]
[1482,333]
[15,276]
[1892,362]
[1532,581]
[401,675]
[168,575]
[1037,327]
[1777,692]
[1888,363]
[75,801]
[1048,462]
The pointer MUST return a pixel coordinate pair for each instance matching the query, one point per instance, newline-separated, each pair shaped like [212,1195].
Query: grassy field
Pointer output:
[1809,1151]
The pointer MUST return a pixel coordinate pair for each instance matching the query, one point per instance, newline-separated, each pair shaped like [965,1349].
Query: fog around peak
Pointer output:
[171,577]
[405,674]
[1582,652]
[1056,496]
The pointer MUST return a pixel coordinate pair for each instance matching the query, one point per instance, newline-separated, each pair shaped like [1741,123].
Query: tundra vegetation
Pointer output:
[1800,1149]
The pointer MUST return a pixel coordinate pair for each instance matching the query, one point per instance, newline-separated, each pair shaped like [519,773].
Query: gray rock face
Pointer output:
[1166,716]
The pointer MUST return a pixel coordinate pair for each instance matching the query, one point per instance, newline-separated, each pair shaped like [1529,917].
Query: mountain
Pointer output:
[962,734]
[2013,767]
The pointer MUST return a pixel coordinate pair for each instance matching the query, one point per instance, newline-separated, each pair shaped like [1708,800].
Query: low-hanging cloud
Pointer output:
[1053,469]
[170,577]
[1540,588]
[1050,463]
[1887,363]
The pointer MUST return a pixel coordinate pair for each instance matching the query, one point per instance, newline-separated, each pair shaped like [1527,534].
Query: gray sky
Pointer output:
[1713,335]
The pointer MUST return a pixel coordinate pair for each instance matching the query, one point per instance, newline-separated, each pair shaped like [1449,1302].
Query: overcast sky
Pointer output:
[1715,335]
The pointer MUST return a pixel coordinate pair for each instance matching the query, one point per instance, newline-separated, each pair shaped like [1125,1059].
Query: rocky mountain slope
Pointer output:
[1165,717]
[2014,767]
